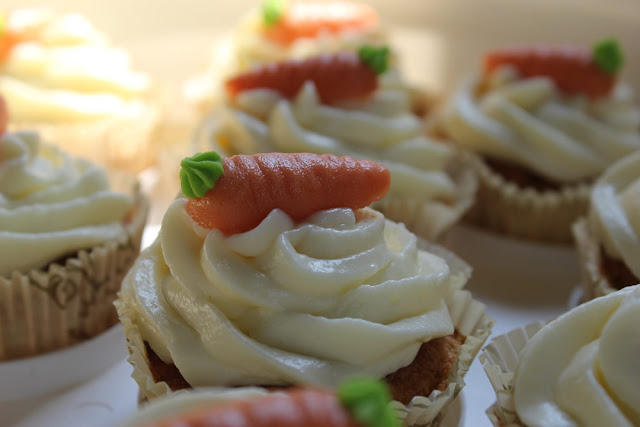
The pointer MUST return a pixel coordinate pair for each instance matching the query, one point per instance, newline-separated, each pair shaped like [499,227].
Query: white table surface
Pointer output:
[519,283]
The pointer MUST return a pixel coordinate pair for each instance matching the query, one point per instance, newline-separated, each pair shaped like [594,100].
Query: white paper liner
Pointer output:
[432,218]
[593,283]
[44,310]
[500,360]
[504,207]
[468,317]
[126,143]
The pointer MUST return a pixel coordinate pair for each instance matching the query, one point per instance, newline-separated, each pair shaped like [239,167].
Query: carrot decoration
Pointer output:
[300,184]
[284,24]
[337,77]
[573,70]
[309,407]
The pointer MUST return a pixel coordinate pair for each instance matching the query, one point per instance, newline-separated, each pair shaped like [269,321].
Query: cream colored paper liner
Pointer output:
[506,208]
[468,317]
[500,360]
[126,143]
[593,283]
[432,218]
[45,310]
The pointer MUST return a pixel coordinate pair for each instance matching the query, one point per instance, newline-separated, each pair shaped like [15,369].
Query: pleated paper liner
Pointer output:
[64,304]
[504,207]
[468,316]
[500,360]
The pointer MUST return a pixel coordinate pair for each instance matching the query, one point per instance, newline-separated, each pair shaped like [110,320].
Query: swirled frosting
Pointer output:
[615,211]
[381,129]
[52,205]
[340,294]
[530,123]
[65,70]
[583,368]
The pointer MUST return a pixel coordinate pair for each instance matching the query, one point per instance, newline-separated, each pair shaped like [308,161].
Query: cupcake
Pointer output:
[348,104]
[544,123]
[66,241]
[280,276]
[62,77]
[608,238]
[357,403]
[580,369]
[282,30]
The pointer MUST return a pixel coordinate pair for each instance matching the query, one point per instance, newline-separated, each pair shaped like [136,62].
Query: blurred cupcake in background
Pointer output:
[66,240]
[543,122]
[347,103]
[62,77]
[608,238]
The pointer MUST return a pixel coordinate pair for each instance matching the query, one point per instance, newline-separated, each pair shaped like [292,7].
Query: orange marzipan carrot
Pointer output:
[309,19]
[571,68]
[337,77]
[306,407]
[300,184]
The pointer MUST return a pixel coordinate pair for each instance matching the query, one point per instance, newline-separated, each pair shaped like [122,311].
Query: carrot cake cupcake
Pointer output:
[581,369]
[62,77]
[272,272]
[545,122]
[608,238]
[66,241]
[348,103]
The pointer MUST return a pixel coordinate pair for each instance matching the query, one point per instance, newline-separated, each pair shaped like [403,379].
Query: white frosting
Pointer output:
[340,294]
[66,71]
[381,129]
[583,368]
[615,211]
[52,205]
[530,123]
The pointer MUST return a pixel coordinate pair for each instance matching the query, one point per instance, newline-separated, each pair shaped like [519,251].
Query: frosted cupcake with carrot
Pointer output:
[348,103]
[62,77]
[273,272]
[545,123]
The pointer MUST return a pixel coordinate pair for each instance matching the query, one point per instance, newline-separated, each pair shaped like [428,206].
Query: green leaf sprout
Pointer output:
[199,173]
[367,400]
[377,58]
[608,55]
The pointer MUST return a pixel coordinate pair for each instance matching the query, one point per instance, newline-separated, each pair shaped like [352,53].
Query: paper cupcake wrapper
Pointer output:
[500,360]
[504,207]
[593,283]
[48,309]
[429,218]
[118,142]
[468,317]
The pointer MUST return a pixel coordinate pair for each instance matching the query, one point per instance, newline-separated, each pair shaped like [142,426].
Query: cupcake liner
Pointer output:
[593,283]
[500,360]
[431,218]
[126,143]
[504,207]
[63,304]
[468,317]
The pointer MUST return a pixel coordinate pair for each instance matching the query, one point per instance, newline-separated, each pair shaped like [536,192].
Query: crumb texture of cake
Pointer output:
[342,293]
[529,122]
[52,205]
[62,69]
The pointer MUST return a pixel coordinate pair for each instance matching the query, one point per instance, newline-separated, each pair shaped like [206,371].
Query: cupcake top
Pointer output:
[357,403]
[615,211]
[52,205]
[557,111]
[57,67]
[344,110]
[283,30]
[583,368]
[303,296]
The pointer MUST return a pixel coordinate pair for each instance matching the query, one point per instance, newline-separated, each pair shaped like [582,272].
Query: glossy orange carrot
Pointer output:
[337,77]
[300,184]
[4,116]
[7,41]
[306,407]
[574,70]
